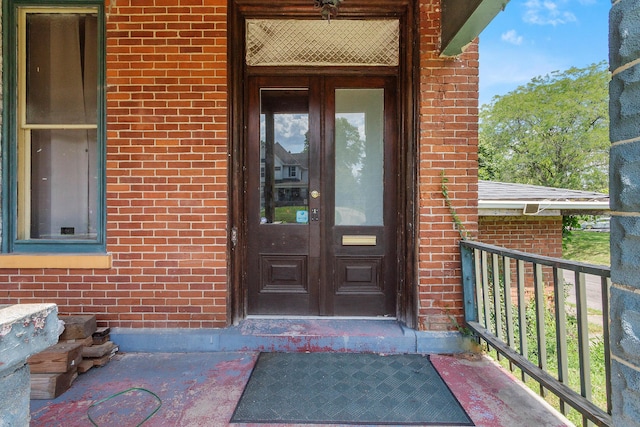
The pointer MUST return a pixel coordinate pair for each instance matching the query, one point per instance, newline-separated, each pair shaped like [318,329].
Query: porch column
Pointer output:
[25,329]
[624,174]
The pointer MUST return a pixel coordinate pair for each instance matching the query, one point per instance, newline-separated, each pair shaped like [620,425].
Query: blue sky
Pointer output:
[535,37]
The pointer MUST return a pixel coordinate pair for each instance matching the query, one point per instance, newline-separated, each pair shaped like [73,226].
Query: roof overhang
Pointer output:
[464,20]
[540,208]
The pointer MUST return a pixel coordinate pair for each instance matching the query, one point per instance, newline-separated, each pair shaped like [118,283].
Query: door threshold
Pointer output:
[291,317]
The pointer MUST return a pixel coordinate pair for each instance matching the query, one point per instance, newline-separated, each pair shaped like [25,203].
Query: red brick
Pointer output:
[167,172]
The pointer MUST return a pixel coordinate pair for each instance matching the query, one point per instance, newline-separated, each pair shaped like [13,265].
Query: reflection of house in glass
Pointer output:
[290,176]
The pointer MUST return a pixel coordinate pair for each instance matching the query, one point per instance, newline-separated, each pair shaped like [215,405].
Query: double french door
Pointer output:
[321,189]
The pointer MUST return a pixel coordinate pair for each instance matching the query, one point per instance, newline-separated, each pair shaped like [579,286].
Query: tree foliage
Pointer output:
[554,131]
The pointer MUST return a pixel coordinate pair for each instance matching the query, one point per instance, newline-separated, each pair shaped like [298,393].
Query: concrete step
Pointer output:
[294,335]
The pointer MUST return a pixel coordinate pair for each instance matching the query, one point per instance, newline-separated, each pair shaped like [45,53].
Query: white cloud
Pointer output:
[512,37]
[547,12]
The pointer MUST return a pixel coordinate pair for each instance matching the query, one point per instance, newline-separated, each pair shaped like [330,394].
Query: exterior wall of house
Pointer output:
[166,164]
[624,178]
[167,167]
[447,149]
[540,235]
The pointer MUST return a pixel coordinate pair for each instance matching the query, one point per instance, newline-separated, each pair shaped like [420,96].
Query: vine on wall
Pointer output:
[457,222]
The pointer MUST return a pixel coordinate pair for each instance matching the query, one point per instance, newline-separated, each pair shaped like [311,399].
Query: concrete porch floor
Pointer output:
[201,388]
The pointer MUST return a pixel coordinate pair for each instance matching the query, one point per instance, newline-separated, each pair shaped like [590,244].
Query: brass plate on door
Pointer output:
[348,240]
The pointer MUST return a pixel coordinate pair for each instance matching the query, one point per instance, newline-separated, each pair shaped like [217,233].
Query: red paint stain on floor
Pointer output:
[492,396]
[202,389]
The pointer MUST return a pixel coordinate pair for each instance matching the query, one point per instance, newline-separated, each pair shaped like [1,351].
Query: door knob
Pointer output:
[315,194]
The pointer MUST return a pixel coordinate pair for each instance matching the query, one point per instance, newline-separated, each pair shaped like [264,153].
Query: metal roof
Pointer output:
[490,190]
[502,198]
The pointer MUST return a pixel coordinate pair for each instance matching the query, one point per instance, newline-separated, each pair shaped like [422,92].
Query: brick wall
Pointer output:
[448,145]
[166,174]
[540,235]
[167,171]
[167,162]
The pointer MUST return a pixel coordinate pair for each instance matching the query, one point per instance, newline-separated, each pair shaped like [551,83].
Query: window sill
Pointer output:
[102,261]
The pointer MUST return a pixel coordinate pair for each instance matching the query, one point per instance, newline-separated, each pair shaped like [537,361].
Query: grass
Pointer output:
[597,366]
[593,248]
[287,214]
[587,246]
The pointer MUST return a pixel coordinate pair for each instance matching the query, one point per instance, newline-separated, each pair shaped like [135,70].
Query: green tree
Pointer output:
[553,131]
[348,163]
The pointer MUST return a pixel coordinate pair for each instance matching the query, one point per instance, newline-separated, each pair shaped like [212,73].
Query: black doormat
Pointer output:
[347,388]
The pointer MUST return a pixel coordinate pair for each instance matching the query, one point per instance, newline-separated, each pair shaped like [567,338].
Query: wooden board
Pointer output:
[98,350]
[78,327]
[50,386]
[89,362]
[101,361]
[102,331]
[85,365]
[88,341]
[57,359]
[100,340]
[101,335]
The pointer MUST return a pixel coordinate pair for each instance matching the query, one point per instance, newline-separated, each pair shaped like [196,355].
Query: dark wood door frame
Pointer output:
[407,72]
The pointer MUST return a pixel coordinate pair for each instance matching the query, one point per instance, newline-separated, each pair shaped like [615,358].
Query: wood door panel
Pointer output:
[362,252]
[281,263]
[359,275]
[283,274]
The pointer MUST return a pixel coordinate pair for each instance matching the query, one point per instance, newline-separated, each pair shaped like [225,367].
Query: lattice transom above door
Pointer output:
[287,42]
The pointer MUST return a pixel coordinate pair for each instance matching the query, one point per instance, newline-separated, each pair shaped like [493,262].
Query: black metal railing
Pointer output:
[534,311]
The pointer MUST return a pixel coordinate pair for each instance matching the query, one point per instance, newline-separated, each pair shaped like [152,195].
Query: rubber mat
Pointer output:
[348,388]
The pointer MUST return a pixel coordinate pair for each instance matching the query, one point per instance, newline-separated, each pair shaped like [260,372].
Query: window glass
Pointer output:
[279,42]
[63,184]
[284,156]
[359,164]
[61,68]
[58,172]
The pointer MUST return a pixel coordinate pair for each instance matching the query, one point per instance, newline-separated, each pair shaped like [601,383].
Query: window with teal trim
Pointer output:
[56,141]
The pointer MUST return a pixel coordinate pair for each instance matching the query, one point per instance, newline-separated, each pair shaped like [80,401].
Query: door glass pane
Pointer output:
[278,42]
[359,156]
[284,156]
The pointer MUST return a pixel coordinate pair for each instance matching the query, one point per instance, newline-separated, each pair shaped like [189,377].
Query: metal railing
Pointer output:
[523,306]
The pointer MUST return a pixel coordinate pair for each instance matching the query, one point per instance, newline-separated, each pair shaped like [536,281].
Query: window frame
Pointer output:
[11,167]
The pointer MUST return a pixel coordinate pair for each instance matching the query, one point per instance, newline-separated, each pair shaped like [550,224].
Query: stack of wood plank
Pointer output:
[81,346]
[54,369]
[99,353]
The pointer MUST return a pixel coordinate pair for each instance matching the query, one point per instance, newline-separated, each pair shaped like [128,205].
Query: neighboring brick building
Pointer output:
[134,133]
[528,218]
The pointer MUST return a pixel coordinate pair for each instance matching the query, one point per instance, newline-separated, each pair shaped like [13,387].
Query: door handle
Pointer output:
[315,194]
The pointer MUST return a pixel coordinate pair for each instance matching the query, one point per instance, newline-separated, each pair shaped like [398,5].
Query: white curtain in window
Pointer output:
[62,89]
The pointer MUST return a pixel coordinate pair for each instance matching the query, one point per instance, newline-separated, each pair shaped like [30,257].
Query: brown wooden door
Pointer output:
[321,196]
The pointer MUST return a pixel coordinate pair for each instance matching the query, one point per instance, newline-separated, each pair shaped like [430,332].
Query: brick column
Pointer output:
[624,42]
